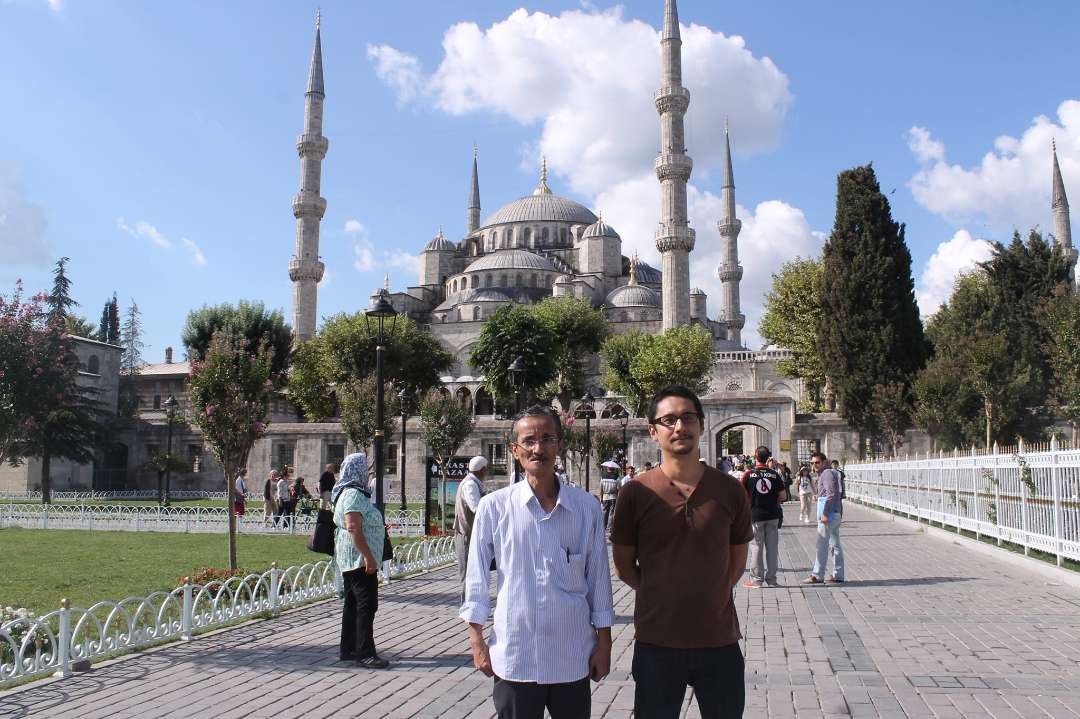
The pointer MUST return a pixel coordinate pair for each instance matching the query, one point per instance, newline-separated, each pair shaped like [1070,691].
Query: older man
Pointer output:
[469,493]
[553,609]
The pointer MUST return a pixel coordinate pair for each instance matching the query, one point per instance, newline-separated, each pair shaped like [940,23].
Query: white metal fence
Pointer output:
[407,523]
[52,643]
[148,494]
[1027,498]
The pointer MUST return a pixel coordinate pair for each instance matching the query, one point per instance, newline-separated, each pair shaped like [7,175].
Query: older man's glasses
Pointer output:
[530,443]
[670,420]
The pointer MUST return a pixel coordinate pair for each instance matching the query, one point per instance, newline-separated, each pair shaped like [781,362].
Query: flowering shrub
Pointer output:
[16,622]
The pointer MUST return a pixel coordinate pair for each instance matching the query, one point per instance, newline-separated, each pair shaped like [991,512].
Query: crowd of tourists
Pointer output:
[680,534]
[282,498]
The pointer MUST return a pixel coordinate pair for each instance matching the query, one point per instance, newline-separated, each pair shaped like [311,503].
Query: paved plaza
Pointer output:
[923,628]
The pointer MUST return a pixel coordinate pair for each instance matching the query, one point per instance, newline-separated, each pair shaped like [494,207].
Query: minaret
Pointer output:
[305,268]
[474,197]
[674,238]
[730,271]
[1059,203]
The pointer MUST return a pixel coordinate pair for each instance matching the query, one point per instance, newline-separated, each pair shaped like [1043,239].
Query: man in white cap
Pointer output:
[469,493]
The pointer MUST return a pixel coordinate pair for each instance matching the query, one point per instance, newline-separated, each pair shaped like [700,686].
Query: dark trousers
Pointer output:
[358,616]
[527,700]
[609,507]
[661,675]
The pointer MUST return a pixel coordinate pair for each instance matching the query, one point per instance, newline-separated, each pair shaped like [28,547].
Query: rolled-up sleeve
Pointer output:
[598,572]
[471,493]
[477,604]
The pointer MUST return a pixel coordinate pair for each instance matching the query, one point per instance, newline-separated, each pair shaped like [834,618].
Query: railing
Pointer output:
[770,355]
[53,643]
[1027,498]
[118,517]
[149,494]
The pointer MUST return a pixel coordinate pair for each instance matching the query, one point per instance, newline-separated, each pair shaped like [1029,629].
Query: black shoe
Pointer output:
[373,662]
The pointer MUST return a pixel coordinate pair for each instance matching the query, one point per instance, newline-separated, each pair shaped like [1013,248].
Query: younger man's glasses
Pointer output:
[670,420]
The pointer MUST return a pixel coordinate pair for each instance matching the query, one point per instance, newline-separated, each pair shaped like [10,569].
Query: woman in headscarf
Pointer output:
[269,489]
[358,545]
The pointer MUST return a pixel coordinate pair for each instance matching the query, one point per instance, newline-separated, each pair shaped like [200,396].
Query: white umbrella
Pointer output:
[611,464]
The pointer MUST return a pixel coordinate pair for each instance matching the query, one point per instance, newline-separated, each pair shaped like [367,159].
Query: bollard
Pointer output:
[63,639]
[187,618]
[274,611]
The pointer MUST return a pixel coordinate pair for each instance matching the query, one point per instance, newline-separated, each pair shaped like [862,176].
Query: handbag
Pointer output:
[387,548]
[322,537]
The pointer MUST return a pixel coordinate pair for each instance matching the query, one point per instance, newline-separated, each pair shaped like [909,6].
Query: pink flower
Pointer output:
[258,427]
[210,409]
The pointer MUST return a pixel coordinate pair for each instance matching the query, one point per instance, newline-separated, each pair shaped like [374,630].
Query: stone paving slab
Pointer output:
[923,628]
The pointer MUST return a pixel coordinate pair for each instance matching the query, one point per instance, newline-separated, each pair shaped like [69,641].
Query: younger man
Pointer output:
[766,490]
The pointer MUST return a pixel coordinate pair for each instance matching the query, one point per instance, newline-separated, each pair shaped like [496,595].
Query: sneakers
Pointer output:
[772,585]
[811,580]
[752,584]
[833,580]
[373,662]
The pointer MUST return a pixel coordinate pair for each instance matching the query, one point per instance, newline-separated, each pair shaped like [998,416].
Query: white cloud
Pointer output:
[196,252]
[403,260]
[364,260]
[146,231]
[588,80]
[22,226]
[353,227]
[1010,187]
[56,5]
[952,258]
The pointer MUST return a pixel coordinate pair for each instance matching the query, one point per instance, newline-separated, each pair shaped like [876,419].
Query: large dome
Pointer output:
[541,208]
[512,260]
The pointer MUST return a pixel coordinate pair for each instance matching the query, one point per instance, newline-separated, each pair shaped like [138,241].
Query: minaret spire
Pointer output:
[730,271]
[305,268]
[542,188]
[674,237]
[473,211]
[1059,205]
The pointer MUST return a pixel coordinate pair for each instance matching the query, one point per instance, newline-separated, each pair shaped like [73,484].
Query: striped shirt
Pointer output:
[553,586]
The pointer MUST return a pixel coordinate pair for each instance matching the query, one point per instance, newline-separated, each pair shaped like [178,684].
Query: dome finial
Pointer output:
[542,188]
[633,271]
[318,17]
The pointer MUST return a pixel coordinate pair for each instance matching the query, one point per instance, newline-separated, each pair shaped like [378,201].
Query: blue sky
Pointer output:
[153,144]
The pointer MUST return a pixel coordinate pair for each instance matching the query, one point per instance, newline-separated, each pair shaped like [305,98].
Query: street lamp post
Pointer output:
[516,372]
[587,403]
[624,419]
[170,416]
[403,399]
[380,310]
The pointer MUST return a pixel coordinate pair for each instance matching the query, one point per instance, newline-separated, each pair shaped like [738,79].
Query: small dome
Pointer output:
[632,296]
[440,243]
[697,291]
[563,280]
[648,274]
[600,229]
[512,260]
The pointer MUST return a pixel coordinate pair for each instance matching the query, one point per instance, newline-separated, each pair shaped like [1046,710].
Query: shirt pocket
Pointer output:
[571,574]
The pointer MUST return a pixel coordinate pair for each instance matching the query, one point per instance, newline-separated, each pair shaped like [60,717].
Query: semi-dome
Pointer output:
[600,229]
[632,296]
[439,243]
[512,260]
[487,294]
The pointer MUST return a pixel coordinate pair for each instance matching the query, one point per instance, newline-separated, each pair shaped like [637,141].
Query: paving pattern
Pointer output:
[923,628]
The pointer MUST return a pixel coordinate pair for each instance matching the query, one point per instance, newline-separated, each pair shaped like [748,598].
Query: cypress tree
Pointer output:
[870,330]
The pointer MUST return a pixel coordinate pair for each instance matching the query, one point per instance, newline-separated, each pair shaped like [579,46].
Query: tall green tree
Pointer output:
[109,326]
[230,390]
[869,327]
[250,320]
[638,365]
[22,351]
[792,319]
[79,327]
[60,300]
[579,331]
[445,424]
[1062,320]
[511,332]
[131,361]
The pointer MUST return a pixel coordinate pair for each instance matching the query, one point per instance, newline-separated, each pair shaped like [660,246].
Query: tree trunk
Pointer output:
[989,424]
[231,494]
[46,480]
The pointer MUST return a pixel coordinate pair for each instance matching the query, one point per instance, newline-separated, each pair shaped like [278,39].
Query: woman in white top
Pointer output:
[807,490]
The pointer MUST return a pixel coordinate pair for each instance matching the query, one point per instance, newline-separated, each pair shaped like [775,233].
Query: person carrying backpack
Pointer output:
[767,490]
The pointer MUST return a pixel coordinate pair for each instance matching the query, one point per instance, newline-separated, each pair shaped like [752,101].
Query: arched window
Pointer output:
[502,280]
[563,236]
[528,236]
[487,280]
[93,365]
[476,312]
[157,401]
[544,236]
[484,403]
[518,280]
[474,281]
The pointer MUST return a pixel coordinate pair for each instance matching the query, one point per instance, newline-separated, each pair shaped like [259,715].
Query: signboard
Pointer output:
[439,498]
[785,445]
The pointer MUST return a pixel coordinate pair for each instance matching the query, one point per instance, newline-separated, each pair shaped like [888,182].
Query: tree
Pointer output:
[892,409]
[230,390]
[161,463]
[22,335]
[511,332]
[791,320]
[79,327]
[604,444]
[131,361]
[60,300]
[638,365]
[579,332]
[444,424]
[109,326]
[944,402]
[869,326]
[356,405]
[1062,319]
[250,320]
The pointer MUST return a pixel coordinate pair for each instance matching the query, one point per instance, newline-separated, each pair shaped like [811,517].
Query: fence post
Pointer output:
[1057,497]
[45,517]
[997,495]
[974,492]
[274,590]
[1023,499]
[63,638]
[426,552]
[187,618]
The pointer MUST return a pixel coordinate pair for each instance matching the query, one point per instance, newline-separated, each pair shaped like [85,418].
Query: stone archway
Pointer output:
[740,435]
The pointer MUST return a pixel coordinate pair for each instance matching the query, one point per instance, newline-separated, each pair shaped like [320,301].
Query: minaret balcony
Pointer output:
[729,272]
[729,227]
[675,238]
[673,166]
[312,145]
[306,270]
[308,204]
[672,98]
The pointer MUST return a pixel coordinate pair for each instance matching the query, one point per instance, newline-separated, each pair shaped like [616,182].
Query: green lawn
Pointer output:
[42,566]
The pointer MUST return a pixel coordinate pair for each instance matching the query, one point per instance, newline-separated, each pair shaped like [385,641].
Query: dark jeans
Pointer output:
[358,616]
[661,675]
[609,508]
[527,700]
